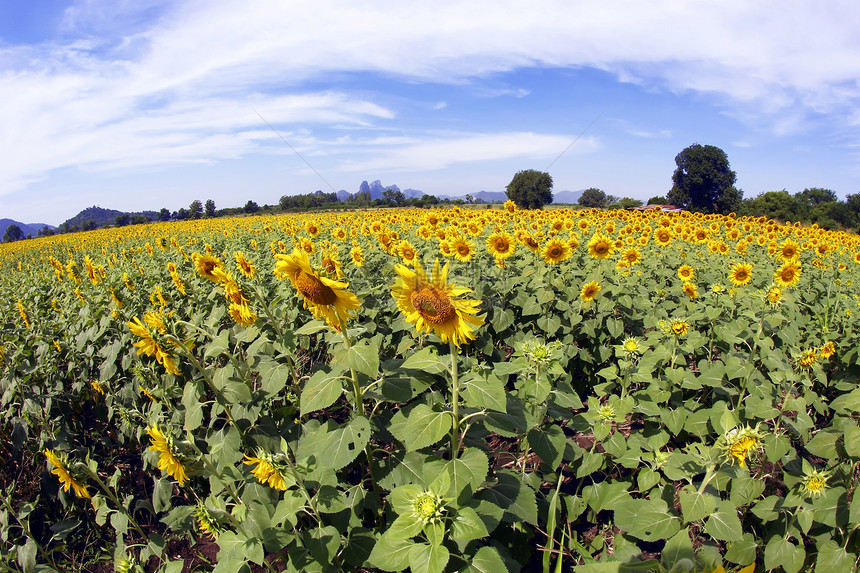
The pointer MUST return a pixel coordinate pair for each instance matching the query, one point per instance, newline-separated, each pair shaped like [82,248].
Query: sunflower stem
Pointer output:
[357,391]
[455,402]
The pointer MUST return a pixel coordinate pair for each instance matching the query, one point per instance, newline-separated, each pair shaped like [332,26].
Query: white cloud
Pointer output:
[128,87]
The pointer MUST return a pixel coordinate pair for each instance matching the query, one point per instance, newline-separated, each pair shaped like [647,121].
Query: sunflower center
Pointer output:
[501,246]
[433,306]
[314,290]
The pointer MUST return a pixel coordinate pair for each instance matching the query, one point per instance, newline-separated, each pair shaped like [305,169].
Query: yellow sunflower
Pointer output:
[325,298]
[556,251]
[679,327]
[208,266]
[501,245]
[246,267]
[167,460]
[788,275]
[266,471]
[357,255]
[589,291]
[463,249]
[61,470]
[600,246]
[788,251]
[740,443]
[686,273]
[691,291]
[741,274]
[431,303]
[632,256]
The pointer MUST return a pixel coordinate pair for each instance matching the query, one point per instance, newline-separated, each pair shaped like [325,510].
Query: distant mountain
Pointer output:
[490,196]
[31,229]
[103,217]
[566,197]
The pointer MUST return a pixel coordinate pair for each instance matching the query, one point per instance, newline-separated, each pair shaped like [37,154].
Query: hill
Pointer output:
[31,229]
[100,217]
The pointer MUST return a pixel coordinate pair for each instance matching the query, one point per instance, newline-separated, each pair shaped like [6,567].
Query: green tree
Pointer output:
[626,203]
[593,197]
[195,210]
[530,189]
[13,233]
[164,214]
[779,205]
[658,200]
[251,207]
[703,181]
[210,208]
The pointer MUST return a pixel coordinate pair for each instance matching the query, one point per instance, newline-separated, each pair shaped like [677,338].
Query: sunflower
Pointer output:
[530,242]
[463,249]
[242,314]
[691,291]
[589,291]
[431,303]
[501,245]
[827,350]
[208,266]
[774,295]
[312,228]
[267,470]
[167,459]
[61,470]
[663,236]
[632,256]
[807,359]
[600,246]
[788,275]
[679,327]
[357,255]
[324,297]
[147,344]
[556,251]
[406,252]
[740,443]
[788,251]
[510,206]
[686,273]
[814,482]
[741,274]
[246,267]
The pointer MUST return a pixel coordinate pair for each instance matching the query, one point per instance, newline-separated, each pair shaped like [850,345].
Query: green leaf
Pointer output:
[424,427]
[605,495]
[27,555]
[780,552]
[333,445]
[823,444]
[320,391]
[323,543]
[678,547]
[695,505]
[548,442]
[426,360]
[469,470]
[467,526]
[515,497]
[852,441]
[427,558]
[486,560]
[724,523]
[743,551]
[406,526]
[486,393]
[364,358]
[311,327]
[273,376]
[649,520]
[832,557]
[391,554]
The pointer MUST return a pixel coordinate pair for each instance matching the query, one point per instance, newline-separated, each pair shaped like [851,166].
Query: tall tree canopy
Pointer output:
[704,181]
[530,189]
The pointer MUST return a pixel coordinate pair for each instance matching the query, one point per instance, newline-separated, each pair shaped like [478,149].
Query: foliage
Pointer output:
[703,181]
[530,189]
[593,197]
[13,233]
[677,415]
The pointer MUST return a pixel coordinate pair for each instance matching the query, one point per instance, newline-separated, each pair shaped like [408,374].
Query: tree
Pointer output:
[393,196]
[778,205]
[626,203]
[195,210]
[704,181]
[593,197]
[530,189]
[210,208]
[251,207]
[122,220]
[13,233]
[657,200]
[164,214]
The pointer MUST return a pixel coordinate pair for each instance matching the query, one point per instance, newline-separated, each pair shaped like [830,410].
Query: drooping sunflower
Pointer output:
[740,443]
[807,359]
[556,251]
[501,245]
[431,303]
[741,274]
[589,291]
[774,295]
[327,299]
[154,328]
[167,460]
[266,470]
[691,291]
[208,266]
[788,274]
[67,480]
[600,246]
[827,350]
[246,267]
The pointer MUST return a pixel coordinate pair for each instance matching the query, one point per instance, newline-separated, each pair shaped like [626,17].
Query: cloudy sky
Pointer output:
[142,105]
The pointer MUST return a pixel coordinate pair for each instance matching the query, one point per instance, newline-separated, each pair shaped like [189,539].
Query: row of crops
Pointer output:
[432,390]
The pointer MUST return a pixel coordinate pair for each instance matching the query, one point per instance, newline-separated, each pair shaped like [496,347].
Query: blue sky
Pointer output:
[143,105]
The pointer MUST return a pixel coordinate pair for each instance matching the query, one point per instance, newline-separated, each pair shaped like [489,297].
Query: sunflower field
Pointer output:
[476,390]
